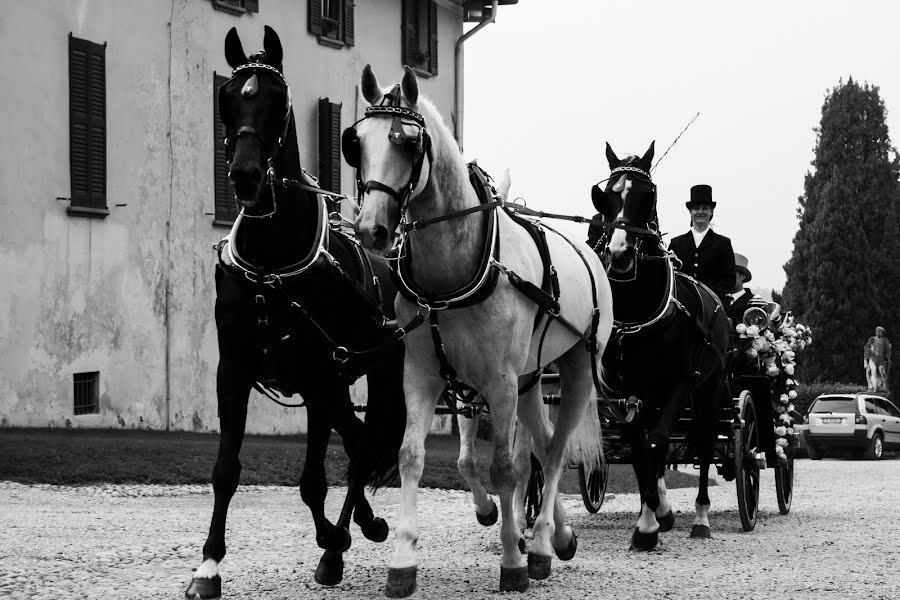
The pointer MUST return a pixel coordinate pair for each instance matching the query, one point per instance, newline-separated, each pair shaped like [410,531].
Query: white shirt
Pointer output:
[736,295]
[698,236]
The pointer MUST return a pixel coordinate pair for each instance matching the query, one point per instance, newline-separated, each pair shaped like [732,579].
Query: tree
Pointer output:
[843,274]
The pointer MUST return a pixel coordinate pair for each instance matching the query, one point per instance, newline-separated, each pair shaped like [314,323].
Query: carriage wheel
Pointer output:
[784,482]
[746,441]
[593,486]
[534,492]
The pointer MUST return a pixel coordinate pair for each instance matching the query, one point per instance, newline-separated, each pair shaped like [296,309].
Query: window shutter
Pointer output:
[315,16]
[251,6]
[348,22]
[225,208]
[410,42]
[329,145]
[87,123]
[432,38]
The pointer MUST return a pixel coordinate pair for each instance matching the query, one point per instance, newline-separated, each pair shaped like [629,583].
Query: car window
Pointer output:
[834,404]
[871,408]
[888,407]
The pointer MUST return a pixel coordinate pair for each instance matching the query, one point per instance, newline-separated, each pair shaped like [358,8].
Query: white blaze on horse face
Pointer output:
[251,87]
[618,242]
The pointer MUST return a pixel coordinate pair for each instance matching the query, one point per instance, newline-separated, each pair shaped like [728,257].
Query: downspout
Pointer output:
[168,253]
[458,72]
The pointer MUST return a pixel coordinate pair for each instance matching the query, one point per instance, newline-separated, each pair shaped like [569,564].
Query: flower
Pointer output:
[789,369]
[741,328]
[792,394]
[781,431]
[753,331]
[784,398]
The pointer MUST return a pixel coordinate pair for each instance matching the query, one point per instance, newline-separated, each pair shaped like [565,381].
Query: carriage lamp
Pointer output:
[760,458]
[755,316]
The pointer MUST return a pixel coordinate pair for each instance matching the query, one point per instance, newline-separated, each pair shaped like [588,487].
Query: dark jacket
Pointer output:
[712,263]
[736,310]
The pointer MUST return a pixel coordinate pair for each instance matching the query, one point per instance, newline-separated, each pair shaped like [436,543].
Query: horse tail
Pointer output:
[385,424]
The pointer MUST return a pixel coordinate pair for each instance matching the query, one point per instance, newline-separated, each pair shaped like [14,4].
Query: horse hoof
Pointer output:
[400,582]
[644,541]
[377,530]
[513,579]
[700,531]
[490,518]
[666,522]
[330,571]
[568,553]
[522,547]
[203,588]
[538,566]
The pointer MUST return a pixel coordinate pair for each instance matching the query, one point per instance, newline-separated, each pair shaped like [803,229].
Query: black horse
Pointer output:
[300,307]
[669,343]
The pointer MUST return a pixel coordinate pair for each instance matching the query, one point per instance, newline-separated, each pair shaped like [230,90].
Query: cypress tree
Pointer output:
[843,273]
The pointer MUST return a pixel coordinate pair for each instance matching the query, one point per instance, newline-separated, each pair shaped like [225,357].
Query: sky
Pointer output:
[550,82]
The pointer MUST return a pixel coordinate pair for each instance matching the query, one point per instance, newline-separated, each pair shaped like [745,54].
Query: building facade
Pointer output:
[109,180]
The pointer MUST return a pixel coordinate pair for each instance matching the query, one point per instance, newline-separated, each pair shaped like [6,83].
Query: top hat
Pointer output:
[700,194]
[740,265]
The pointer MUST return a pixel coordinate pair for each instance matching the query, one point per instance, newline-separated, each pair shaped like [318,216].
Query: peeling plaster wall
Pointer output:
[132,295]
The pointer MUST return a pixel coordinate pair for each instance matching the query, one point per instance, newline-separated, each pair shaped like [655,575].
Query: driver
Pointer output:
[740,297]
[704,254]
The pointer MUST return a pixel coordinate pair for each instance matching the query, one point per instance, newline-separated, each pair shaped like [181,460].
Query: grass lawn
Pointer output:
[90,456]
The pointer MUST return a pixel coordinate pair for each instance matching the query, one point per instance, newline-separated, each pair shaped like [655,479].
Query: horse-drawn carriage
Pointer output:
[746,440]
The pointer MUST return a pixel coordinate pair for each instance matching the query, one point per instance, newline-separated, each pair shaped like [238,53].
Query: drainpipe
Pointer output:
[458,71]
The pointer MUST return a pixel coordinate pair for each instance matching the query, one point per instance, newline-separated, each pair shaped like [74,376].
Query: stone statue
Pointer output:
[877,361]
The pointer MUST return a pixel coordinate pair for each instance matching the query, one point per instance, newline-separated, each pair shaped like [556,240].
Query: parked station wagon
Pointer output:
[863,424]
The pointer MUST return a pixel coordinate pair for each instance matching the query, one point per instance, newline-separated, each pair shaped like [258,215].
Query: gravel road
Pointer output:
[125,541]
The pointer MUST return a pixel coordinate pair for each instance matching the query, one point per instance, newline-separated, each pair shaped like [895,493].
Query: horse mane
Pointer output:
[449,172]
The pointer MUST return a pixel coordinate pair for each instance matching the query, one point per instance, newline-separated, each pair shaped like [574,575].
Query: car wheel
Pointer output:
[813,454]
[876,448]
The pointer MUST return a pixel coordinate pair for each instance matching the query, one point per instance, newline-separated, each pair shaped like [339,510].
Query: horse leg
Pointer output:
[664,515]
[503,398]
[522,449]
[646,535]
[485,507]
[421,398]
[705,434]
[536,422]
[351,430]
[233,391]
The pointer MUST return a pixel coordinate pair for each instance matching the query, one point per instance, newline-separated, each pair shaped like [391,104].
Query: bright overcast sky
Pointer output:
[550,82]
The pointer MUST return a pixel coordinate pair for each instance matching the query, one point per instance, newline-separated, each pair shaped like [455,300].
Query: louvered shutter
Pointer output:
[432,38]
[87,123]
[225,207]
[348,22]
[410,42]
[329,145]
[315,17]
[251,6]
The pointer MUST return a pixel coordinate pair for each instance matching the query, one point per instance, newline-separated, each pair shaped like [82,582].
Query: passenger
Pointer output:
[740,297]
[704,254]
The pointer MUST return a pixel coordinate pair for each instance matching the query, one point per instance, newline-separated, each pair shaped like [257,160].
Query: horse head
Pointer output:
[629,201]
[388,148]
[255,108]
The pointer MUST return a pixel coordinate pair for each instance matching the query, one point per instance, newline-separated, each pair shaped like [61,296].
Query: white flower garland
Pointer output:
[775,352]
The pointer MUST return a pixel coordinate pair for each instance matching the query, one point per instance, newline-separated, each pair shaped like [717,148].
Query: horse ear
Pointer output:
[272,46]
[410,85]
[647,159]
[611,157]
[234,52]
[370,89]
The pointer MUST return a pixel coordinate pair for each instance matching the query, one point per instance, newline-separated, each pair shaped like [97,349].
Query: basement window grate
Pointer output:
[87,393]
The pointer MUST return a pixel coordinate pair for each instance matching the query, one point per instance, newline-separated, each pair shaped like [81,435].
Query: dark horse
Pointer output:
[298,309]
[669,342]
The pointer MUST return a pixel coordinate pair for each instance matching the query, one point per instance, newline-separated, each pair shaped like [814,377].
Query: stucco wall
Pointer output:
[132,295]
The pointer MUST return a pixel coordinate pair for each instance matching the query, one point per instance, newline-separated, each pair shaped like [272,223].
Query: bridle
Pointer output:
[390,108]
[256,66]
[651,230]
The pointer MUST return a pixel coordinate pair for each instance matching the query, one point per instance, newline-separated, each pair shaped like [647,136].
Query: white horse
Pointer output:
[411,174]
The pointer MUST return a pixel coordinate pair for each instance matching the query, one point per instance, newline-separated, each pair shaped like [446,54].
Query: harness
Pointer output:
[484,282]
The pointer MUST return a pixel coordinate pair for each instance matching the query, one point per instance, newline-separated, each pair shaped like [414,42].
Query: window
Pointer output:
[329,145]
[226,209]
[420,44]
[87,393]
[87,127]
[871,408]
[332,21]
[236,7]
[887,408]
